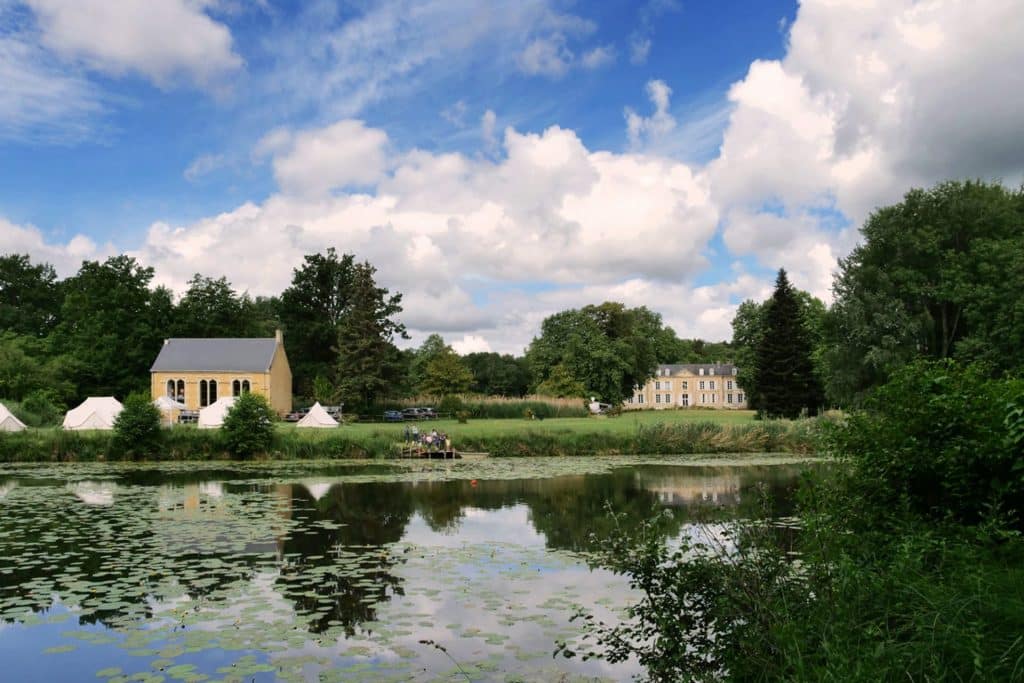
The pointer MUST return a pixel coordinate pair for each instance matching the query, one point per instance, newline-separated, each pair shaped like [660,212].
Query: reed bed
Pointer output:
[654,438]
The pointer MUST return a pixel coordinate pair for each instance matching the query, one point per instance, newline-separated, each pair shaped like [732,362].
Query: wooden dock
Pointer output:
[416,453]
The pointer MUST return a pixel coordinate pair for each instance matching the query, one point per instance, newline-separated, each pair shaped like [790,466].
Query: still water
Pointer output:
[331,571]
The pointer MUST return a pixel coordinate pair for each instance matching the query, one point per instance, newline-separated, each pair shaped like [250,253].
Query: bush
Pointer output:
[248,427]
[137,427]
[43,407]
[462,416]
[934,440]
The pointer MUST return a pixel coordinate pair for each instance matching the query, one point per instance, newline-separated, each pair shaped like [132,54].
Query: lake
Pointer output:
[333,571]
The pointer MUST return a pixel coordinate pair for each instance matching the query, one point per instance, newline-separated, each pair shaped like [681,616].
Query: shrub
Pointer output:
[137,427]
[934,440]
[44,407]
[462,416]
[248,426]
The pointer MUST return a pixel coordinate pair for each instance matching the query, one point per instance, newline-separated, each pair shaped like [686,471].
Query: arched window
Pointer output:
[236,388]
[170,388]
[181,391]
[213,391]
[202,394]
[245,386]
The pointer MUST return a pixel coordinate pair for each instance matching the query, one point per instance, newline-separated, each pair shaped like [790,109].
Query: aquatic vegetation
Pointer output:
[335,570]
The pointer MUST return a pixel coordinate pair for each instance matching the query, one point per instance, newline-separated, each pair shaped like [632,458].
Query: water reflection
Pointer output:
[121,552]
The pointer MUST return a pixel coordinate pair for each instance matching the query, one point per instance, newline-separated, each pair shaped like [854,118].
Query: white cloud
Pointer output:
[649,15]
[871,99]
[160,39]
[203,165]
[651,129]
[548,56]
[471,343]
[487,124]
[66,257]
[40,100]
[319,160]
[639,49]
[602,55]
[455,114]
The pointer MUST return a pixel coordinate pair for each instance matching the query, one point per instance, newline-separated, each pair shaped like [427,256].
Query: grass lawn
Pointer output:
[626,423]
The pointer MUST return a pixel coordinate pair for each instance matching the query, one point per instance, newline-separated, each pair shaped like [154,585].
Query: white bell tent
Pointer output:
[212,416]
[9,423]
[317,417]
[96,412]
[169,409]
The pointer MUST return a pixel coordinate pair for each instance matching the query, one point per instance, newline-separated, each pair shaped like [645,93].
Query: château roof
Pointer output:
[695,368]
[215,355]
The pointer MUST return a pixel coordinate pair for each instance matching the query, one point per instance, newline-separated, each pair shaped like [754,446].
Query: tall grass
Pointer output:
[189,443]
[496,407]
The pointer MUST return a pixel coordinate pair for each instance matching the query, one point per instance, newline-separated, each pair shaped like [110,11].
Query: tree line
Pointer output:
[98,331]
[937,276]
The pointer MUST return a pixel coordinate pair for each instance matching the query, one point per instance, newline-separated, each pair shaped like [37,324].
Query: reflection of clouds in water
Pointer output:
[6,488]
[94,492]
[505,525]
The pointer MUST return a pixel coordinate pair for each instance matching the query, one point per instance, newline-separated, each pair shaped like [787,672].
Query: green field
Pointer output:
[625,423]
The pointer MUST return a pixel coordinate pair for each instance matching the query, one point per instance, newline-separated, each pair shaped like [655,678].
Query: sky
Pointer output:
[496,161]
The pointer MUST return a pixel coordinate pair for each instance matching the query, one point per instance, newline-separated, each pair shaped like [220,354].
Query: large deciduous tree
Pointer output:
[30,296]
[938,275]
[212,308]
[784,379]
[367,361]
[608,349]
[112,326]
[496,374]
[311,311]
[446,375]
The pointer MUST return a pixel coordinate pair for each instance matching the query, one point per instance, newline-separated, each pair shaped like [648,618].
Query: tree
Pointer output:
[26,366]
[112,326]
[495,374]
[367,360]
[30,296]
[248,427]
[937,276]
[446,375]
[561,384]
[311,311]
[748,332]
[137,427]
[784,377]
[608,349]
[211,308]
[432,347]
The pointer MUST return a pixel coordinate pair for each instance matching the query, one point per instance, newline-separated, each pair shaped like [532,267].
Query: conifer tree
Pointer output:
[784,379]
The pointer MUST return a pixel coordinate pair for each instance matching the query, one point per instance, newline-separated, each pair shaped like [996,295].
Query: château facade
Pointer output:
[690,385]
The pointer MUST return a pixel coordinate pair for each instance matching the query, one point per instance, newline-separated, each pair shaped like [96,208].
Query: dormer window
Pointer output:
[701,371]
[711,371]
[734,370]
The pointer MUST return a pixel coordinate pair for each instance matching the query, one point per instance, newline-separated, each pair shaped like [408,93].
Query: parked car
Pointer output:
[412,414]
[428,413]
[393,416]
[295,416]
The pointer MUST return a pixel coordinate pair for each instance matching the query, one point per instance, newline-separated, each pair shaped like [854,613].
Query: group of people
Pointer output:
[432,441]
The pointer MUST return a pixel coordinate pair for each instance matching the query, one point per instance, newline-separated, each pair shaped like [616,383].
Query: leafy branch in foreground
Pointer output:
[702,601]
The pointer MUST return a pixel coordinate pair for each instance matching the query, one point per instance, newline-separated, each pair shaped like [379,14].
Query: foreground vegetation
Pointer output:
[648,433]
[911,556]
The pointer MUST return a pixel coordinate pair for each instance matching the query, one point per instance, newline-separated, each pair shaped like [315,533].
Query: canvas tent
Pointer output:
[317,417]
[96,412]
[9,423]
[212,416]
[169,409]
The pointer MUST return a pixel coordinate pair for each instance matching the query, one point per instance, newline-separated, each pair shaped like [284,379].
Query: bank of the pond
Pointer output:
[658,438]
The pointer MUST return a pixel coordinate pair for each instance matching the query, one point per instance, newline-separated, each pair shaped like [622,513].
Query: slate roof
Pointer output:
[719,368]
[215,355]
